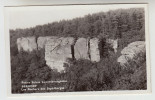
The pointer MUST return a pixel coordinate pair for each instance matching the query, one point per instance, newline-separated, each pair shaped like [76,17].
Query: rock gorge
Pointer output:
[59,49]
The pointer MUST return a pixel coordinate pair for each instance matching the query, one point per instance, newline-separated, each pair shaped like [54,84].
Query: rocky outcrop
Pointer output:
[94,49]
[57,50]
[132,50]
[113,44]
[81,49]
[27,44]
[41,41]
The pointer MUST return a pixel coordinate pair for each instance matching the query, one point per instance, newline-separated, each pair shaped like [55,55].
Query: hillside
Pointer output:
[121,23]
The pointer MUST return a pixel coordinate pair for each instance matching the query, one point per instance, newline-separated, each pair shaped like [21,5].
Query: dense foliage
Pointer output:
[107,75]
[28,67]
[81,75]
[126,25]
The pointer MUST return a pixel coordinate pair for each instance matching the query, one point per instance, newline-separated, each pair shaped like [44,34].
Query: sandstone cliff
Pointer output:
[27,44]
[81,49]
[41,41]
[59,49]
[94,49]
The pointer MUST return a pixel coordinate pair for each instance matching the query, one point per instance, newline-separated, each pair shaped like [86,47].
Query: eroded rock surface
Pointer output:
[57,50]
[132,50]
[41,41]
[94,49]
[27,44]
[81,49]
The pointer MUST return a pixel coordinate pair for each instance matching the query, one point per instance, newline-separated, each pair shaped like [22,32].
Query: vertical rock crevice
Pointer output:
[72,48]
[37,42]
[72,52]
[89,55]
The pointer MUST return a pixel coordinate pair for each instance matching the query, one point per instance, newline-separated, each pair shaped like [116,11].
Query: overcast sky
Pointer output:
[30,16]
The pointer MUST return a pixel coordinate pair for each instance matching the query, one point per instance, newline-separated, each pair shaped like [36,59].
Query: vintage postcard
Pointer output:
[92,49]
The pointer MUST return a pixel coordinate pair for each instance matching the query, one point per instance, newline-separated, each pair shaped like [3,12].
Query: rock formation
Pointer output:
[27,44]
[57,50]
[94,49]
[81,49]
[113,44]
[41,41]
[132,50]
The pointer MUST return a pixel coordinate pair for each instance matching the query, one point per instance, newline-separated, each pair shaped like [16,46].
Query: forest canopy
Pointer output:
[120,23]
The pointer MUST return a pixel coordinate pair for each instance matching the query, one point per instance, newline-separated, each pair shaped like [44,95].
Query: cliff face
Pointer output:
[27,44]
[59,49]
[94,49]
[81,49]
[41,41]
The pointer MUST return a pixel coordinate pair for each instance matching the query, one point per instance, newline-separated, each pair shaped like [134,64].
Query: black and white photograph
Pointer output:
[77,48]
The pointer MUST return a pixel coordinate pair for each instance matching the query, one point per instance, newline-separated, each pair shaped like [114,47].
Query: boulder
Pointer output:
[94,49]
[113,44]
[132,50]
[57,50]
[81,49]
[27,44]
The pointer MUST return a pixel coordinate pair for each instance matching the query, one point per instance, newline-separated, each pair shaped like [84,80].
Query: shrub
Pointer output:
[133,77]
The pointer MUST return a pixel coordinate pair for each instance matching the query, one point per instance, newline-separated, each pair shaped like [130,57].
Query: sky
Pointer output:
[30,16]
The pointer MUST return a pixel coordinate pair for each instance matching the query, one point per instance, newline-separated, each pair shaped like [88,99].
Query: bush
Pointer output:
[84,75]
[133,77]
